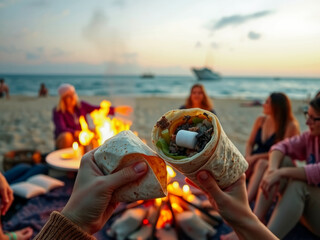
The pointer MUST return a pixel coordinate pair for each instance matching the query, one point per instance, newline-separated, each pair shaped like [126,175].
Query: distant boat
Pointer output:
[206,74]
[147,75]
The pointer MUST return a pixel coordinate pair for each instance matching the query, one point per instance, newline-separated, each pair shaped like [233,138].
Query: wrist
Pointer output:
[65,213]
[252,228]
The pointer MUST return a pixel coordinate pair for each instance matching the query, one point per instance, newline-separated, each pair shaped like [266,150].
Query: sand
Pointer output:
[26,122]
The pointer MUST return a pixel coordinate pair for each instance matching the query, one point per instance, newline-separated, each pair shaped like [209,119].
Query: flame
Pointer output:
[75,146]
[104,127]
[177,207]
[164,218]
[170,173]
[85,135]
[158,202]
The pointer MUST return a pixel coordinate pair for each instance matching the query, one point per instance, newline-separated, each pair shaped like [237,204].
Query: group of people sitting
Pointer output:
[273,147]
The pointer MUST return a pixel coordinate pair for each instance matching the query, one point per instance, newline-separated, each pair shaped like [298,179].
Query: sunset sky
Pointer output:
[167,37]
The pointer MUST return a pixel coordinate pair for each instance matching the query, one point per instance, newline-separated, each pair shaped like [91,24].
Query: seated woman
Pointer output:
[300,200]
[276,124]
[66,115]
[198,98]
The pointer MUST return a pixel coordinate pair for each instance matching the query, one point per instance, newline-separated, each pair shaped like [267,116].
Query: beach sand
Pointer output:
[26,122]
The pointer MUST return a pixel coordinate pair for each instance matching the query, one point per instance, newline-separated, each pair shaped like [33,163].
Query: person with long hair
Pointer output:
[276,124]
[66,115]
[198,98]
[300,200]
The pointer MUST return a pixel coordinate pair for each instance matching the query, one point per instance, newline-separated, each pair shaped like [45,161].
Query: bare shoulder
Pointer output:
[293,128]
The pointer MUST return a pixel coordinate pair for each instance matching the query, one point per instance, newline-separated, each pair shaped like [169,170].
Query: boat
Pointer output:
[206,74]
[147,75]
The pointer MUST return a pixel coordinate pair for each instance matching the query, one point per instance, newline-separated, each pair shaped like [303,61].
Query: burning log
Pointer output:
[202,210]
[194,226]
[127,223]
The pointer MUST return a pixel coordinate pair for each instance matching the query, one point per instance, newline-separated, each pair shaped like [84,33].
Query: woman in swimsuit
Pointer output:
[276,124]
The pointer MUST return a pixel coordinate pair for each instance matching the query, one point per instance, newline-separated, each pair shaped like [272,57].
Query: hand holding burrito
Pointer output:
[125,149]
[214,152]
[92,202]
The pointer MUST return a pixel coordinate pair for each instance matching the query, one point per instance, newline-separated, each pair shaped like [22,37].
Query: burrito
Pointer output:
[212,150]
[124,149]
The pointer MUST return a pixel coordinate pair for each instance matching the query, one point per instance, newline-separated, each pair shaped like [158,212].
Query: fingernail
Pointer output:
[203,175]
[140,167]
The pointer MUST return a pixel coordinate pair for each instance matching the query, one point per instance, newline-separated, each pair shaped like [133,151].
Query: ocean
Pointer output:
[166,86]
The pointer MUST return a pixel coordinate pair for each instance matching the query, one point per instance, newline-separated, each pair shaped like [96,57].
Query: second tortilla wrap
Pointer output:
[124,149]
[219,156]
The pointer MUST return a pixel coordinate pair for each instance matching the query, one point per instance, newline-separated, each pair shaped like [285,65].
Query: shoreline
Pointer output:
[26,122]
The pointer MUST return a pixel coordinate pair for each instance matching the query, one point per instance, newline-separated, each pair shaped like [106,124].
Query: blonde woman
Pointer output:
[66,115]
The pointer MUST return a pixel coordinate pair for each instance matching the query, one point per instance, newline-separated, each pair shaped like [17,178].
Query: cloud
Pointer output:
[235,20]
[96,24]
[253,35]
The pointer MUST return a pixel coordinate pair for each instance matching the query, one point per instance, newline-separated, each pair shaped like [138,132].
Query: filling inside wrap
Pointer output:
[200,123]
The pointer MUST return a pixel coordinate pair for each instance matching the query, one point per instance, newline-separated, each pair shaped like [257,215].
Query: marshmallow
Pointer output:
[186,139]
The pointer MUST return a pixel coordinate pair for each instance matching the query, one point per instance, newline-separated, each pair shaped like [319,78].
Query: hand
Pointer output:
[91,203]
[124,110]
[6,195]
[231,203]
[272,178]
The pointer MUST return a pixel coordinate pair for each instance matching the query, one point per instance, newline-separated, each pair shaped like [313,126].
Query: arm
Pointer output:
[251,141]
[232,204]
[94,189]
[6,195]
[123,110]
[275,176]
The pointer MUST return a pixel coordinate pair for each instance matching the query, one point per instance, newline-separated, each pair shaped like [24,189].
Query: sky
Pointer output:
[167,37]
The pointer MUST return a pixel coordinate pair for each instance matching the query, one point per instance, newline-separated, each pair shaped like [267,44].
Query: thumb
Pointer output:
[126,175]
[209,184]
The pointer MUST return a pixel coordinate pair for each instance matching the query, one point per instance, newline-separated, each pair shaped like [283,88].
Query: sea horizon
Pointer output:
[229,86]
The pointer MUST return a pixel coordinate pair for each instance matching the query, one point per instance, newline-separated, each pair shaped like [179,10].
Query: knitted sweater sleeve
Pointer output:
[59,227]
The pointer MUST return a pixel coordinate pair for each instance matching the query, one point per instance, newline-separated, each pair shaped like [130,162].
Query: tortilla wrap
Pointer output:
[125,149]
[219,156]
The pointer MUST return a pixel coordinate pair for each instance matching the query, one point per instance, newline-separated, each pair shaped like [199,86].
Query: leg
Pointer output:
[16,172]
[64,140]
[310,218]
[254,182]
[262,203]
[289,209]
